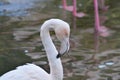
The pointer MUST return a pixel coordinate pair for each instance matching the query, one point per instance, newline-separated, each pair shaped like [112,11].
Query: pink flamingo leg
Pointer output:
[68,8]
[102,30]
[102,5]
[64,4]
[80,14]
[97,22]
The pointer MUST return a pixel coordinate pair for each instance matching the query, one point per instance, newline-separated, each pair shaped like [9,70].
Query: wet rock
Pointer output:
[102,66]
[109,63]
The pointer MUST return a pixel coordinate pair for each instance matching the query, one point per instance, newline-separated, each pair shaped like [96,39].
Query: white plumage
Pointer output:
[33,72]
[26,72]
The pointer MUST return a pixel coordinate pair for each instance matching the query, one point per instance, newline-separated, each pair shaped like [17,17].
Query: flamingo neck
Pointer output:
[56,69]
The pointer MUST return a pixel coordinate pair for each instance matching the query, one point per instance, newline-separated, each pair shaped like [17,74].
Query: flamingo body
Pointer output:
[26,72]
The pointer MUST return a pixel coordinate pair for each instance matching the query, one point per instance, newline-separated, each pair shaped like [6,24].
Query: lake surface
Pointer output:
[91,57]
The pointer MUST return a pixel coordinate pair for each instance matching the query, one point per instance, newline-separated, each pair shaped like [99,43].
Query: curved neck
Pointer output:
[56,69]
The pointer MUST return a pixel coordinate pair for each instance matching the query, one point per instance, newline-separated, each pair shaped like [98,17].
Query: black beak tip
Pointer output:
[58,56]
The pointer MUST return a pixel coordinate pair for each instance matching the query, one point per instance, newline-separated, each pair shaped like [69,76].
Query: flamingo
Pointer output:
[102,30]
[34,72]
[73,9]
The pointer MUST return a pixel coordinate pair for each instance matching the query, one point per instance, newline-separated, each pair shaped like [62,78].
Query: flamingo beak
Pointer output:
[64,47]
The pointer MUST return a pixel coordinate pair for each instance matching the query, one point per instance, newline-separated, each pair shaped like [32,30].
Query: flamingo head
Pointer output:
[62,34]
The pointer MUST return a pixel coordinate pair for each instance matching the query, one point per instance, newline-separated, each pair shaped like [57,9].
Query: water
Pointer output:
[90,57]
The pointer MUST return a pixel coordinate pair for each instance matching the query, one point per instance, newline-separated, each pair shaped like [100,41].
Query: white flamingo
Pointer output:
[33,72]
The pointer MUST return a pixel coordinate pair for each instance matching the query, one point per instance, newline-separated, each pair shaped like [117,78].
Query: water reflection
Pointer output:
[15,7]
[99,65]
[74,23]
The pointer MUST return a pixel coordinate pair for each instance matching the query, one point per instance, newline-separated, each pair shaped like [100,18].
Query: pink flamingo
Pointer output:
[73,9]
[102,30]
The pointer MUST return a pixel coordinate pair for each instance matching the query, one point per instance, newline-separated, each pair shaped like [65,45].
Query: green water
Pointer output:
[84,44]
